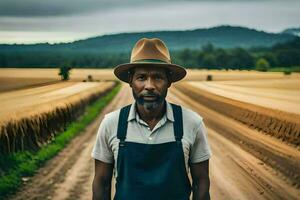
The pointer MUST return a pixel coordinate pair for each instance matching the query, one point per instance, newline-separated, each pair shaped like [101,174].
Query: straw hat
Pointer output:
[150,53]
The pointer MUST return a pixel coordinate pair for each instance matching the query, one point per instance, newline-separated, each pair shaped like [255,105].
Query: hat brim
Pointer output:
[177,72]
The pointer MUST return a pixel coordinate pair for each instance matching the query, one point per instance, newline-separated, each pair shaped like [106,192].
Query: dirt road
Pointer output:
[236,172]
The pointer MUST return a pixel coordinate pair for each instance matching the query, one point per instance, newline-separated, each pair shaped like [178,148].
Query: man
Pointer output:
[151,144]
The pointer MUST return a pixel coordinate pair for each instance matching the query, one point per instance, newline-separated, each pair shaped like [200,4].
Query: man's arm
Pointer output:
[102,180]
[201,183]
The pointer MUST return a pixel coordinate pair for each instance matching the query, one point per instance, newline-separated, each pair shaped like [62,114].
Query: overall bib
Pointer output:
[151,171]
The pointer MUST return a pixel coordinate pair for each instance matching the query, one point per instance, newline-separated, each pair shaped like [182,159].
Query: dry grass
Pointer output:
[278,94]
[76,74]
[265,100]
[30,101]
[13,78]
[7,84]
[280,124]
[26,76]
[283,84]
[223,75]
[31,117]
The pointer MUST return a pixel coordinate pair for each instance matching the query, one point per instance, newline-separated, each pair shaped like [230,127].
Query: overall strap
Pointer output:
[178,124]
[122,124]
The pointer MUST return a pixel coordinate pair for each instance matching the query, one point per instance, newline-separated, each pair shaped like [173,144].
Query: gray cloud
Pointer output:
[96,17]
[31,8]
[57,7]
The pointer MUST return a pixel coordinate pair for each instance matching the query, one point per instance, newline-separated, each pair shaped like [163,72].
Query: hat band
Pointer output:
[149,61]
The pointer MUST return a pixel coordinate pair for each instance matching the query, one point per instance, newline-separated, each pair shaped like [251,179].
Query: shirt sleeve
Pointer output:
[200,150]
[101,150]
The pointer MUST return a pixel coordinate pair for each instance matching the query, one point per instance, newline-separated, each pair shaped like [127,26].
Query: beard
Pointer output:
[158,99]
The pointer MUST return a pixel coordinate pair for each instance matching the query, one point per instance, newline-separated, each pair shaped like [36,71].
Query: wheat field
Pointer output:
[270,106]
[13,78]
[31,117]
[37,99]
[279,94]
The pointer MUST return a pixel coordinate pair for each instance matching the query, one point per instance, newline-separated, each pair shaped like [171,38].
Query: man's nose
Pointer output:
[149,84]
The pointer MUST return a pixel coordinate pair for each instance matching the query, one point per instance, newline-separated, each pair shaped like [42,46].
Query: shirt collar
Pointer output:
[133,113]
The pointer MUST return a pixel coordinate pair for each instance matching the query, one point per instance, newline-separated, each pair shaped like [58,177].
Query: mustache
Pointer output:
[149,94]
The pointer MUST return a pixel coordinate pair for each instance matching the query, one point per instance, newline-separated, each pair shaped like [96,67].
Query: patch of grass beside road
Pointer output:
[16,167]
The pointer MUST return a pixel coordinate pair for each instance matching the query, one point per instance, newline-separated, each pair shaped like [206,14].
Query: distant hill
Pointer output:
[292,31]
[97,52]
[221,36]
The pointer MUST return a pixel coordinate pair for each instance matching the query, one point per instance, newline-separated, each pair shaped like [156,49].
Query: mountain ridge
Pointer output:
[292,31]
[220,36]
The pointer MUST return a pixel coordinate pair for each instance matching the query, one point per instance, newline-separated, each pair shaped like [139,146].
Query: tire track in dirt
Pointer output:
[274,152]
[82,186]
[240,175]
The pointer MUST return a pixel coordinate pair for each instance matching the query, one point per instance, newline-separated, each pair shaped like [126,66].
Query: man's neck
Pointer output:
[151,117]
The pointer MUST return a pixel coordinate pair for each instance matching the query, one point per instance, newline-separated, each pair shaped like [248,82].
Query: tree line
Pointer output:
[208,57]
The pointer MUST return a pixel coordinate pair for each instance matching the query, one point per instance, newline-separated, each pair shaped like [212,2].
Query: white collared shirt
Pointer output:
[194,141]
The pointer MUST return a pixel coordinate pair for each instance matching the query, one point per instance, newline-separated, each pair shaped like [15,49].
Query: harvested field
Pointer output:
[241,75]
[12,78]
[7,84]
[245,163]
[30,76]
[76,74]
[30,117]
[277,117]
[283,84]
[279,94]
[236,171]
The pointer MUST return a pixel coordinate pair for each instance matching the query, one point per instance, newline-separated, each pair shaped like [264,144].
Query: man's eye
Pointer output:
[140,78]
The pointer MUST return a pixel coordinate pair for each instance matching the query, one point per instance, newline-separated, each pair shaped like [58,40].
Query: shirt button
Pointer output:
[148,128]
[150,138]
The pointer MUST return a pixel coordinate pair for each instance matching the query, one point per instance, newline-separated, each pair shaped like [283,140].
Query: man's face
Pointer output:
[149,86]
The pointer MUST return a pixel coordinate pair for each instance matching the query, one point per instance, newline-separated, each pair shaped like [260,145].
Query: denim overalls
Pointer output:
[151,171]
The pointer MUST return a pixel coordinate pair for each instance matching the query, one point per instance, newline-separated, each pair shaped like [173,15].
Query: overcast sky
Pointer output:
[31,21]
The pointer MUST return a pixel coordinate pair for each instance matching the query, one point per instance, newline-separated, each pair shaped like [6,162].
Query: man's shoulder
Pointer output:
[191,117]
[112,117]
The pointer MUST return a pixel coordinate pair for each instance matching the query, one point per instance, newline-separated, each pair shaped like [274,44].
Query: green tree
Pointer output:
[209,61]
[271,58]
[241,59]
[185,55]
[222,59]
[64,71]
[288,57]
[262,65]
[208,48]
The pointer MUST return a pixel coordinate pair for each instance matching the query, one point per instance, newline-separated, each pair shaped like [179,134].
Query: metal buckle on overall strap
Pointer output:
[178,140]
[122,143]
